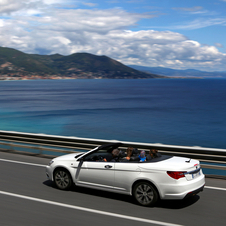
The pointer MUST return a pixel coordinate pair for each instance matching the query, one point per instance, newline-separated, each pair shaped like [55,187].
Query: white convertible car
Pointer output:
[163,177]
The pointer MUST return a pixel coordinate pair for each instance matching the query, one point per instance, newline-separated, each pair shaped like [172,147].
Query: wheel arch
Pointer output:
[144,180]
[63,168]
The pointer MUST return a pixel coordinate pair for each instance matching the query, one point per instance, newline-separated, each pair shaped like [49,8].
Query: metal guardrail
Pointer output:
[63,144]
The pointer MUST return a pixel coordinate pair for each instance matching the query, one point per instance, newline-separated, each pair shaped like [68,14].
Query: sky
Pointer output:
[177,34]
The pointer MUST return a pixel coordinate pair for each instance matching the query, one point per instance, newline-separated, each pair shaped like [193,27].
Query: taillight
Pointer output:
[176,175]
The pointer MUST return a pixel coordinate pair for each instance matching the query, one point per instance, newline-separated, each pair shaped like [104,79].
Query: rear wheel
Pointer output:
[62,179]
[145,194]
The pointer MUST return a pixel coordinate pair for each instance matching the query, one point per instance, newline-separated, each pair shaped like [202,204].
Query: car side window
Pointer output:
[97,156]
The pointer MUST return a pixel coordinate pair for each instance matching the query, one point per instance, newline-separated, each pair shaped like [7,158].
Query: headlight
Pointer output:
[50,163]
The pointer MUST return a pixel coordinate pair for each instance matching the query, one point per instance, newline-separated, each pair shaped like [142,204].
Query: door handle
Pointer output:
[108,166]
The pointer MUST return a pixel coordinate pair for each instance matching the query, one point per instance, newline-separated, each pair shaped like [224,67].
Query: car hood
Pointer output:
[69,156]
[174,164]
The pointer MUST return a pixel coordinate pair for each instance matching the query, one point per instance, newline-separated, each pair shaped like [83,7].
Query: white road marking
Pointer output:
[216,188]
[33,164]
[89,210]
[25,163]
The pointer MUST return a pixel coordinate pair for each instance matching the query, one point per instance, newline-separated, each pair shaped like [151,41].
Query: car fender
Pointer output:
[71,170]
[148,179]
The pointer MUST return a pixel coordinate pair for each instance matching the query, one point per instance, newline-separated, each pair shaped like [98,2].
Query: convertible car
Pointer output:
[162,177]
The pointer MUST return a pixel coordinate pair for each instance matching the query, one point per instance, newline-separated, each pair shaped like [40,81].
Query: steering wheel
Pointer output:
[100,158]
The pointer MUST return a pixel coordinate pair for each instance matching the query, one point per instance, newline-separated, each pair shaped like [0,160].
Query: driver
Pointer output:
[114,157]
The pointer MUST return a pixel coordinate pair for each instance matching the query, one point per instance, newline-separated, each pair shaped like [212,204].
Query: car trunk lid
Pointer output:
[190,167]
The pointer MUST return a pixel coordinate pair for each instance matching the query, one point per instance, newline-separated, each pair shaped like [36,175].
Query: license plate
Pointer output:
[194,175]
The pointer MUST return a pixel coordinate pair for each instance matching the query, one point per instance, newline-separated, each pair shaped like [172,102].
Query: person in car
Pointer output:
[114,157]
[153,153]
[129,153]
[142,156]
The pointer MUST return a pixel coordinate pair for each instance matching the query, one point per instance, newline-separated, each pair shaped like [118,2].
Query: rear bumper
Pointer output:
[192,193]
[184,189]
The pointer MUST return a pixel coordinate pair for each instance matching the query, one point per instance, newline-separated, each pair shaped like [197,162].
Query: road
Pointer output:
[28,198]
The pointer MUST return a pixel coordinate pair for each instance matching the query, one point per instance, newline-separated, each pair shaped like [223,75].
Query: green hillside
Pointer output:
[77,64]
[20,60]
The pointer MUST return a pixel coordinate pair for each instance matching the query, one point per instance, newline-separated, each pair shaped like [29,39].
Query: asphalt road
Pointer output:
[28,198]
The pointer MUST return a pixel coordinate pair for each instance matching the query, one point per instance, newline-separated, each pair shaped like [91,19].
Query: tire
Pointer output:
[145,194]
[62,179]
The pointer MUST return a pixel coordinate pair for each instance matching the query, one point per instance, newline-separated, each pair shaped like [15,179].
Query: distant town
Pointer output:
[82,75]
[21,76]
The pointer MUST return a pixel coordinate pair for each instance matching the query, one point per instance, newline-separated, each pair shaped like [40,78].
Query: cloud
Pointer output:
[8,6]
[90,4]
[196,10]
[192,9]
[168,49]
[98,21]
[200,23]
[219,45]
[12,6]
[47,27]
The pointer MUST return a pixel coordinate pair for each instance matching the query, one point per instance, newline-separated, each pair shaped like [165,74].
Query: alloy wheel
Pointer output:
[62,179]
[145,194]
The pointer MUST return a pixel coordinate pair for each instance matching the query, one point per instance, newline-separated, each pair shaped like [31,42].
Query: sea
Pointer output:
[187,112]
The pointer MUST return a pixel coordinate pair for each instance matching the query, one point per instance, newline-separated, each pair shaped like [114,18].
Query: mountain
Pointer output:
[189,73]
[19,61]
[14,63]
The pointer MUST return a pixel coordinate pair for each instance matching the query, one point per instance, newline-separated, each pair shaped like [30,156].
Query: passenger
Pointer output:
[114,156]
[129,153]
[156,153]
[142,156]
[135,155]
[153,153]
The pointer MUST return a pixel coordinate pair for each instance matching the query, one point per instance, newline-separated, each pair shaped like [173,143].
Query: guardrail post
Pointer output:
[40,148]
[11,147]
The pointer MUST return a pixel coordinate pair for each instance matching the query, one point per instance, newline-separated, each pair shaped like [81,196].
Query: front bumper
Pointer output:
[49,173]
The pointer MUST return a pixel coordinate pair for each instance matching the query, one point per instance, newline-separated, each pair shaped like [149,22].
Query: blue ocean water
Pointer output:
[189,112]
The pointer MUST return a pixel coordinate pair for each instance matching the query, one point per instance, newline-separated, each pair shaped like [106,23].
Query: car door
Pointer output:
[96,174]
[125,174]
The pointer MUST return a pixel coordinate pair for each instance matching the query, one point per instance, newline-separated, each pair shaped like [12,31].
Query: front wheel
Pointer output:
[62,179]
[145,194]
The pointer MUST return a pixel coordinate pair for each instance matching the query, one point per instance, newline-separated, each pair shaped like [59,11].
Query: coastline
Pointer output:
[98,78]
